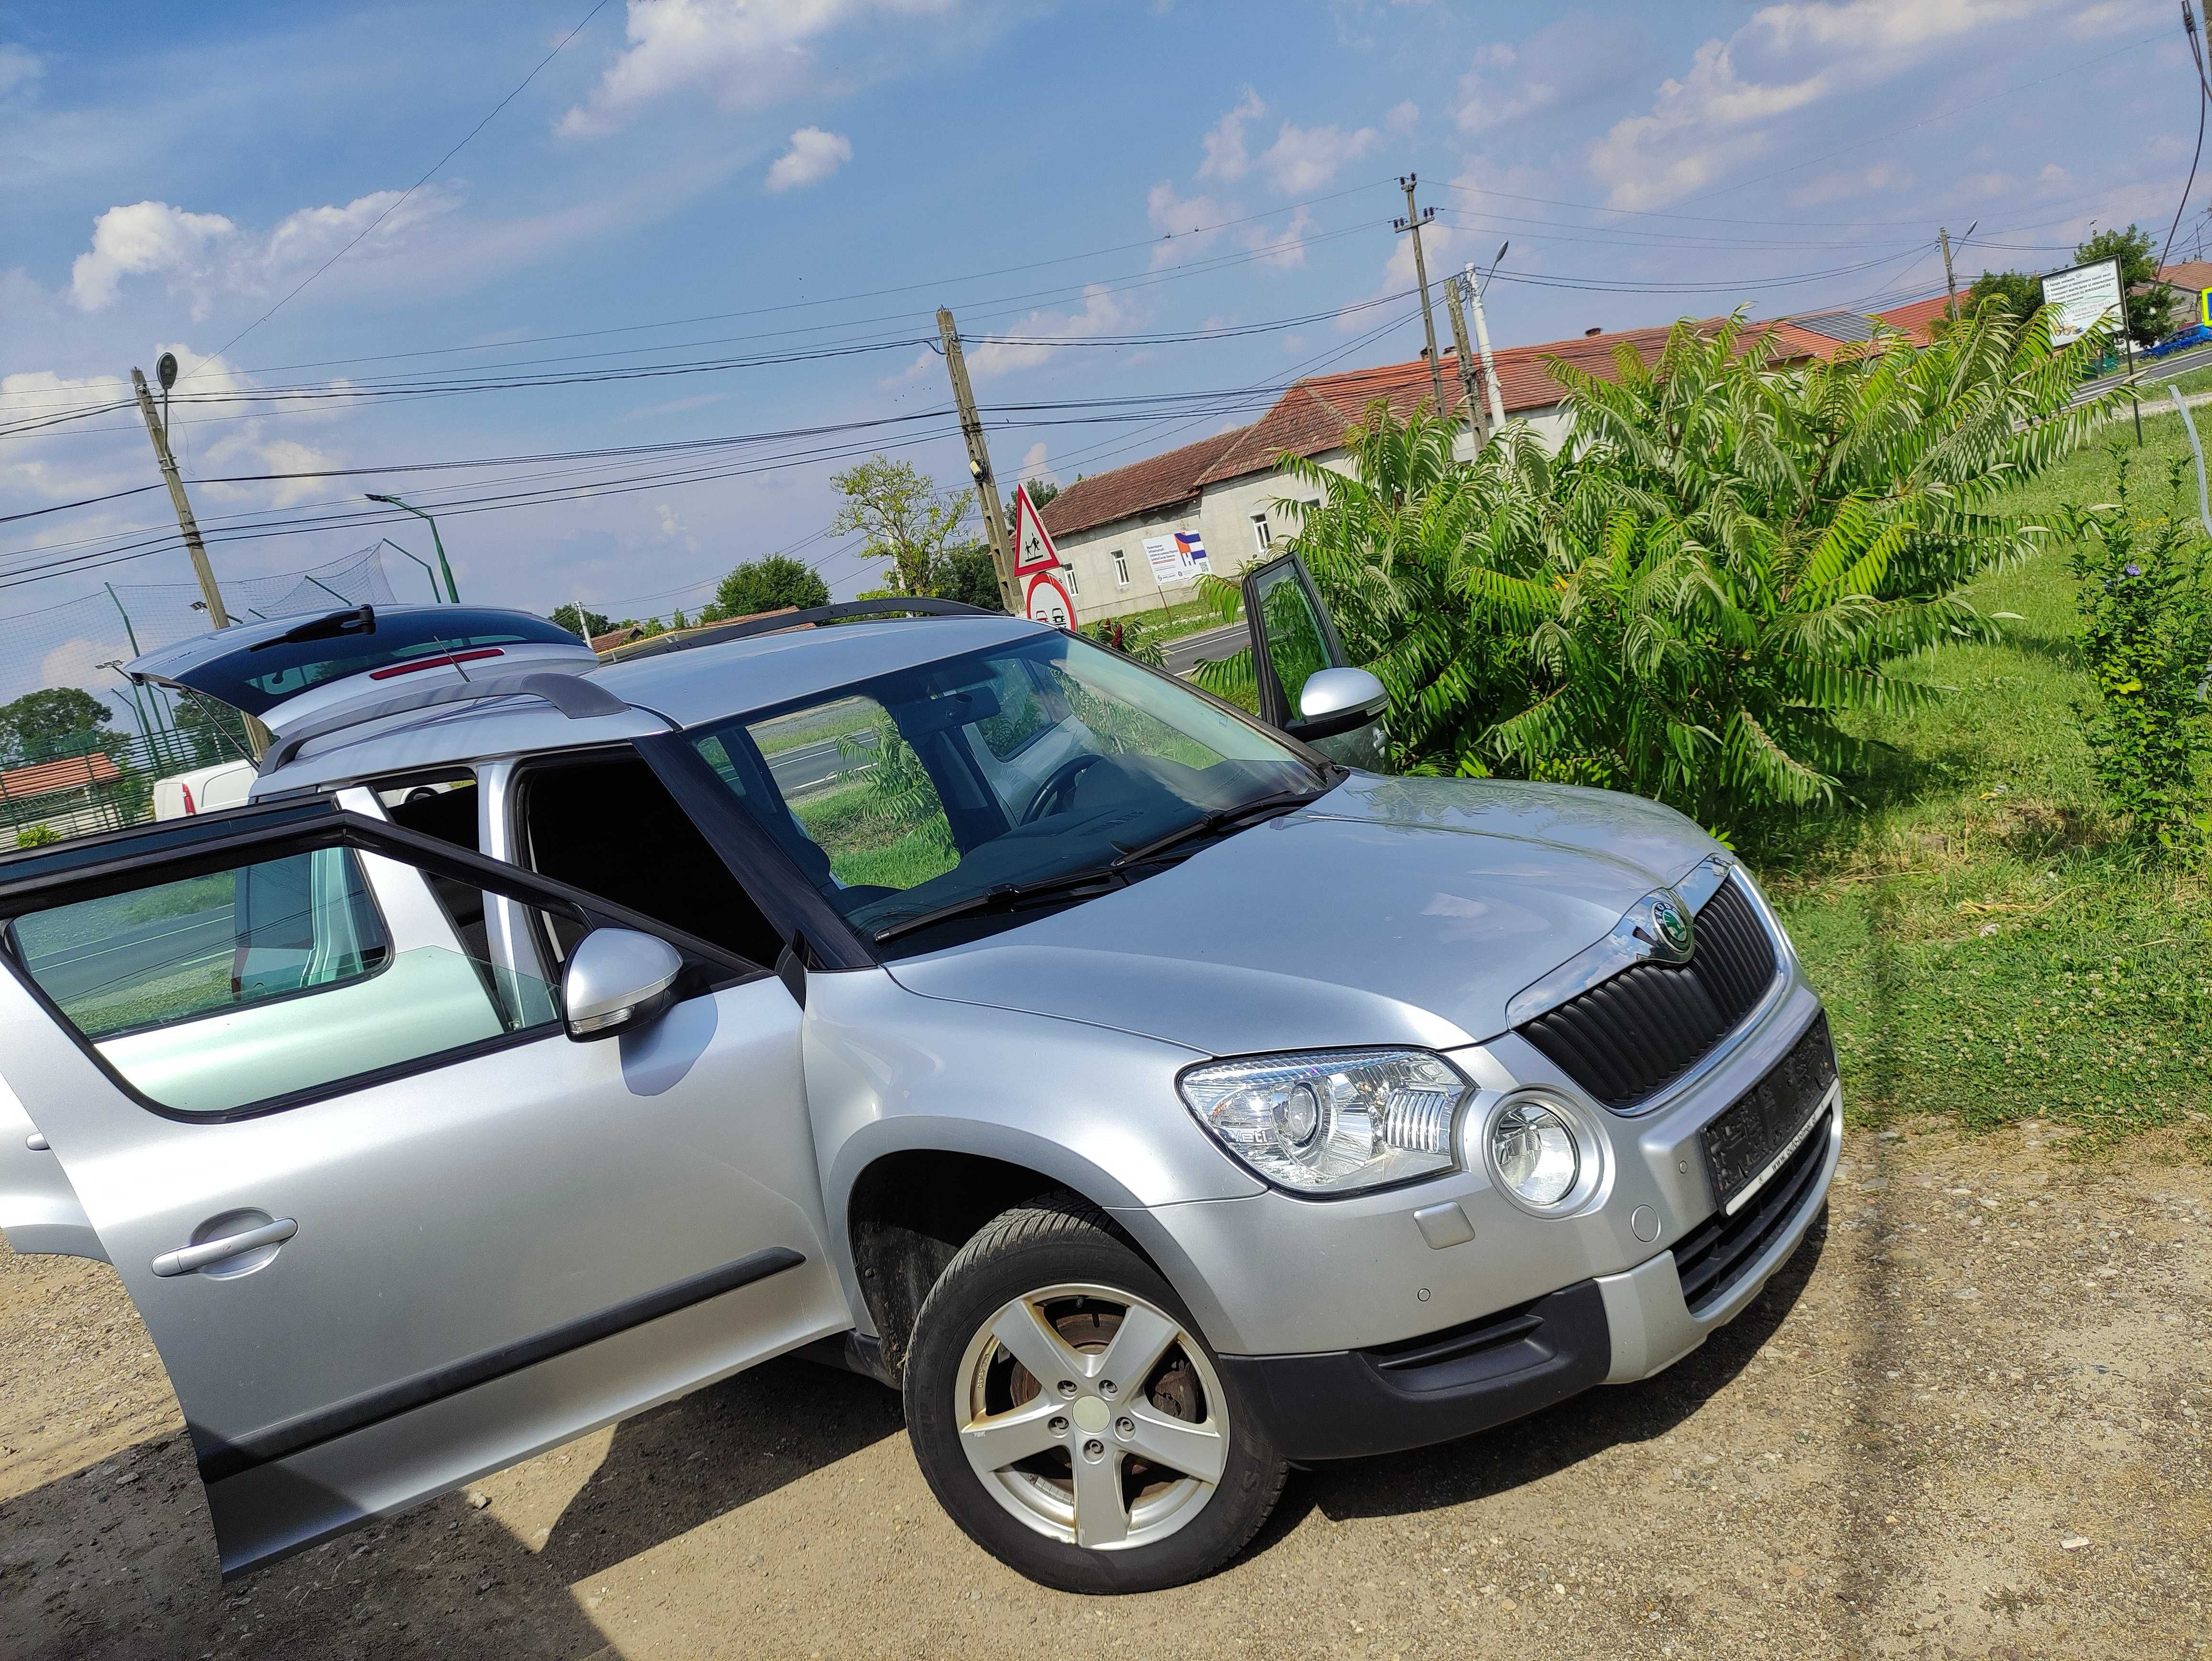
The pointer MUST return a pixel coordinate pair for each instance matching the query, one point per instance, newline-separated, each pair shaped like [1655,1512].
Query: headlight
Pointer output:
[1331,1122]
[1535,1153]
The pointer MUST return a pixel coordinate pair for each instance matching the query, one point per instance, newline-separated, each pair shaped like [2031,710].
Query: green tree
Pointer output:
[56,720]
[968,572]
[583,625]
[2146,299]
[2144,593]
[215,732]
[767,585]
[2017,292]
[1730,556]
[1041,490]
[906,518]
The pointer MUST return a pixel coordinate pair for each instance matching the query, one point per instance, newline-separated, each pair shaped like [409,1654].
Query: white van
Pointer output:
[202,790]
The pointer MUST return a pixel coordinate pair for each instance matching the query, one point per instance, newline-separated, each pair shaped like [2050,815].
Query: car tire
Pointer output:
[1171,1460]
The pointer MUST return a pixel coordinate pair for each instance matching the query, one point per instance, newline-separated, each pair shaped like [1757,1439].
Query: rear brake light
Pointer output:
[432,663]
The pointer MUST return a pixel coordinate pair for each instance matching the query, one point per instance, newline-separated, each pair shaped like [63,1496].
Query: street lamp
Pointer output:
[387,542]
[452,593]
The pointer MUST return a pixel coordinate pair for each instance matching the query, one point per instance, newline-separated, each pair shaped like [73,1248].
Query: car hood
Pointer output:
[1390,912]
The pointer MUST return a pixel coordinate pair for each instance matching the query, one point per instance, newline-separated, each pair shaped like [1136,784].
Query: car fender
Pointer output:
[1092,1107]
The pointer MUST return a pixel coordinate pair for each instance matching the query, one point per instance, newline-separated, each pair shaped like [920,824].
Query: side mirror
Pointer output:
[1336,701]
[616,980]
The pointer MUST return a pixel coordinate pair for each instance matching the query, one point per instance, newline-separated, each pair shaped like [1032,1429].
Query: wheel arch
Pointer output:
[907,1197]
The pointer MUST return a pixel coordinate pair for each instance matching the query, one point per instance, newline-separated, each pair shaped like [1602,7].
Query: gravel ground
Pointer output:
[1968,1420]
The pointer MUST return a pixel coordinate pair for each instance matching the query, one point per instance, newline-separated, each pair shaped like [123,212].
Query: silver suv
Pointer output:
[1152,1100]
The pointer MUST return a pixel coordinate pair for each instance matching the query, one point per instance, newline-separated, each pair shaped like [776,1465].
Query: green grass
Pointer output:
[1987,949]
[1189,616]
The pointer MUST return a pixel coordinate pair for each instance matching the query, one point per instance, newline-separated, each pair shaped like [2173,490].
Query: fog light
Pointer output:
[1533,1149]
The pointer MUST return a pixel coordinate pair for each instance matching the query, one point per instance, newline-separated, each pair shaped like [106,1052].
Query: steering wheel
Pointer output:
[1062,781]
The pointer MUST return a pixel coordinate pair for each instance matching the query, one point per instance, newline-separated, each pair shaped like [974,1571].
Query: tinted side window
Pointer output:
[1296,645]
[246,986]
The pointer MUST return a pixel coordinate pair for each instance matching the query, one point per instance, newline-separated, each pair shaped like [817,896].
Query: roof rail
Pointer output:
[776,622]
[572,695]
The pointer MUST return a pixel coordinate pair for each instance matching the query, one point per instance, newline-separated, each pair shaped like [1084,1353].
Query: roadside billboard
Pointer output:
[2083,296]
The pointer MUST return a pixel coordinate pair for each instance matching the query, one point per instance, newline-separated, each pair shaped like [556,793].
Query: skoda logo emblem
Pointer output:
[1676,940]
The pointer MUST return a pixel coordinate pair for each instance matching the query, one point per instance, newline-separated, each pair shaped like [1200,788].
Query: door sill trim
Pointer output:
[221,1458]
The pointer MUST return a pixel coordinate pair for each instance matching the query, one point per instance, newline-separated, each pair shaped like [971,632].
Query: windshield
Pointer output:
[256,680]
[946,786]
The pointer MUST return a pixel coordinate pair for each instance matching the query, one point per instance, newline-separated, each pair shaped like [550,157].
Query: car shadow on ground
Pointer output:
[1498,1461]
[118,1560]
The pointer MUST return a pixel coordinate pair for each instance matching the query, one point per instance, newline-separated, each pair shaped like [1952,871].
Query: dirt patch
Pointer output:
[1968,1420]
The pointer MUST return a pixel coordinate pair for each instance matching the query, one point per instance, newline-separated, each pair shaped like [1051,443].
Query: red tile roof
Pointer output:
[1917,319]
[1160,481]
[2187,274]
[71,772]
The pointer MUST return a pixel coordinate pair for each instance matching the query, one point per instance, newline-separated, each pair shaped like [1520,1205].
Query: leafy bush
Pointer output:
[37,836]
[769,584]
[1131,637]
[2144,593]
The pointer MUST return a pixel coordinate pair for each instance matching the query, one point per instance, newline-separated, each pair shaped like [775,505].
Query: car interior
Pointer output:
[607,823]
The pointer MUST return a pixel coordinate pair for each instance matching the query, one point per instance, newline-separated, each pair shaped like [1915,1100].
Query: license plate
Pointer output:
[1770,1121]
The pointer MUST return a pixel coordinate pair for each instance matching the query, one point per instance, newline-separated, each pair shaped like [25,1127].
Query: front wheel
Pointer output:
[1067,1414]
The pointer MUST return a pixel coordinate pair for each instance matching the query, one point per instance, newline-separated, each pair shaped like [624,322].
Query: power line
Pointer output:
[598,6]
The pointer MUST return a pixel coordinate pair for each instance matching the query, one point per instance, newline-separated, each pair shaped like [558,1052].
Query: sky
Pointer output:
[561,242]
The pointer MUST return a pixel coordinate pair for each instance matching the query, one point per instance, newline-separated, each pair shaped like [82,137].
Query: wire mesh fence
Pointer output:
[80,746]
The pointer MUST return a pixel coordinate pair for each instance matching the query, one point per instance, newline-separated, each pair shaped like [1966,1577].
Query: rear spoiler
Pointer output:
[574,697]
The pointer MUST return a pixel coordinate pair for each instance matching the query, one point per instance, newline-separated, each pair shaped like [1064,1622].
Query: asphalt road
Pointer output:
[2154,372]
[1184,654]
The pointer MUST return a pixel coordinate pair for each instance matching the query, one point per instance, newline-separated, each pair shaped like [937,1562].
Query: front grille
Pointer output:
[1714,1255]
[1631,1037]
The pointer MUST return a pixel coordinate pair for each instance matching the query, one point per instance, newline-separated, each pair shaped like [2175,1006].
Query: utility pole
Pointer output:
[1950,283]
[979,465]
[1465,352]
[1413,222]
[1482,345]
[257,735]
[160,434]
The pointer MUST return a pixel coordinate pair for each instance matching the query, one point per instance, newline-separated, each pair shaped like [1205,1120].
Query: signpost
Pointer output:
[2083,296]
[1045,598]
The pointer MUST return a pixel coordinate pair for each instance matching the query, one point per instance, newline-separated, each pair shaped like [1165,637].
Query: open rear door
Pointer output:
[1293,639]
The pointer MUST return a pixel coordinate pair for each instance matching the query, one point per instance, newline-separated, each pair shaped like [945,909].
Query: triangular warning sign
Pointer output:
[1033,549]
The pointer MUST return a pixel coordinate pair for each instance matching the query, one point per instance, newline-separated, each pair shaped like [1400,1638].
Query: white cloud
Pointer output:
[1840,187]
[1188,224]
[673,528]
[1305,159]
[748,53]
[813,156]
[1034,465]
[288,455]
[1709,119]
[1224,143]
[1285,249]
[1031,342]
[18,68]
[2053,178]
[201,254]
[1973,186]
[1403,119]
[137,239]
[1490,95]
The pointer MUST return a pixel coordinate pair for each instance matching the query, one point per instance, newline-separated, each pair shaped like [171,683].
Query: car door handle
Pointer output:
[187,1259]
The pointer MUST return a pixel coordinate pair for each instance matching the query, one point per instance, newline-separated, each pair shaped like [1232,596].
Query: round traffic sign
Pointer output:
[1048,601]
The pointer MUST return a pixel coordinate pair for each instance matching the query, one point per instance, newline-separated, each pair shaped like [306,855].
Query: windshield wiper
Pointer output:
[1221,818]
[1007,895]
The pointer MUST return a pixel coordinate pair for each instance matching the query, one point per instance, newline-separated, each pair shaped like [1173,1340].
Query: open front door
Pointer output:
[1294,639]
[389,1225]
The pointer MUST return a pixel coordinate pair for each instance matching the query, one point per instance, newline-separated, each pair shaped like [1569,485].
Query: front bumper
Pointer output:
[1610,1329]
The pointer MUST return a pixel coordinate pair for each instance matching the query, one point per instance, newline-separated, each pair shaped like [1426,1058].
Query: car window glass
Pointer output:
[217,992]
[929,787]
[1030,701]
[860,792]
[1296,645]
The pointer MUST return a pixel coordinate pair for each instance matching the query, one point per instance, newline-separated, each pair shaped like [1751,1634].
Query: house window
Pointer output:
[1120,569]
[1262,537]
[1073,587]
